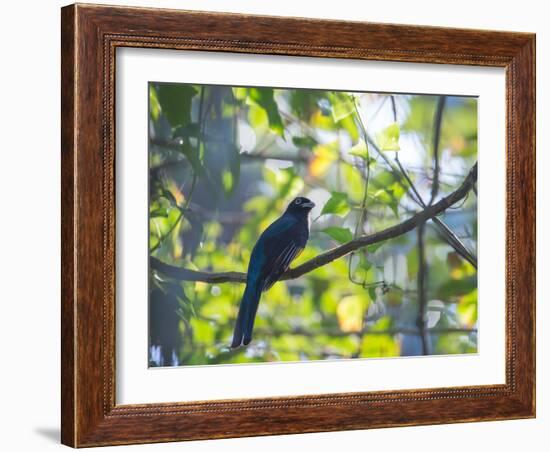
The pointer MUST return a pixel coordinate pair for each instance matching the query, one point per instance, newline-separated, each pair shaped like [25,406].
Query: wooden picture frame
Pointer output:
[90,36]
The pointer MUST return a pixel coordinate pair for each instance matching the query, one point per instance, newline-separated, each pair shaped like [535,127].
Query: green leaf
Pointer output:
[456,288]
[348,123]
[240,93]
[388,139]
[304,102]
[372,293]
[354,182]
[154,106]
[342,106]
[264,97]
[467,308]
[385,196]
[187,310]
[394,208]
[360,150]
[304,142]
[175,102]
[397,190]
[337,204]
[160,212]
[227,180]
[341,235]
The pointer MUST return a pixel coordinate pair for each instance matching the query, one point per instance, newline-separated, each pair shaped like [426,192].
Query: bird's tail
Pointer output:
[242,334]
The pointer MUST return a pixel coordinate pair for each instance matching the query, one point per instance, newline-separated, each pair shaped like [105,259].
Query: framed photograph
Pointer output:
[270,230]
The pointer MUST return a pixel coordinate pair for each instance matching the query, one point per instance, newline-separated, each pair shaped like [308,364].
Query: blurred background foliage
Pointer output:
[223,164]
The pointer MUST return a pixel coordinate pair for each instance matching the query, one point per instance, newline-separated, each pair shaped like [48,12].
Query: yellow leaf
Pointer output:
[350,314]
[324,156]
[176,192]
[322,121]
[467,309]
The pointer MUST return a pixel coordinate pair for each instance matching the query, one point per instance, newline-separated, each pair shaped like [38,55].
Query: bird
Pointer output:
[275,249]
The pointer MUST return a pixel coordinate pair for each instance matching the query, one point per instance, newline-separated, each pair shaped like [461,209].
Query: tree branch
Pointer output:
[333,254]
[437,133]
[334,332]
[300,157]
[445,231]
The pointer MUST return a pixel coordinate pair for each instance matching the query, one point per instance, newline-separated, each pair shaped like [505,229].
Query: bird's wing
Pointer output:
[276,248]
[275,267]
[279,227]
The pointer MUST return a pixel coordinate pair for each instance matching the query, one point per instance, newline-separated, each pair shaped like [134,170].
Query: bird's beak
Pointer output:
[308,204]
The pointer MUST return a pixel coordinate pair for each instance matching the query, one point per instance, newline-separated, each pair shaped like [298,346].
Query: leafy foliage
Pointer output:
[224,163]
[341,235]
[337,204]
[388,138]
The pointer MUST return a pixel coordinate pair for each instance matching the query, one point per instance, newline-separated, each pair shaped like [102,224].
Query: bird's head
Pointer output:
[300,205]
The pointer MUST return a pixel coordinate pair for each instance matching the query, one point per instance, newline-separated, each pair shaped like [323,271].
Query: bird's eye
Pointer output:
[298,201]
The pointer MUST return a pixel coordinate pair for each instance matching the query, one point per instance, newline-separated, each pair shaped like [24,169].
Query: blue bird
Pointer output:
[271,256]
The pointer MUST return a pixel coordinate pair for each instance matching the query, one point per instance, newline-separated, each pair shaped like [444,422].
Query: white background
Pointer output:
[137,384]
[29,119]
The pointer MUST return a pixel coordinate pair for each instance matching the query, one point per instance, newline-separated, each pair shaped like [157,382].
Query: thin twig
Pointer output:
[421,320]
[445,231]
[417,196]
[393,108]
[300,331]
[363,213]
[165,236]
[437,134]
[335,253]
[199,142]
